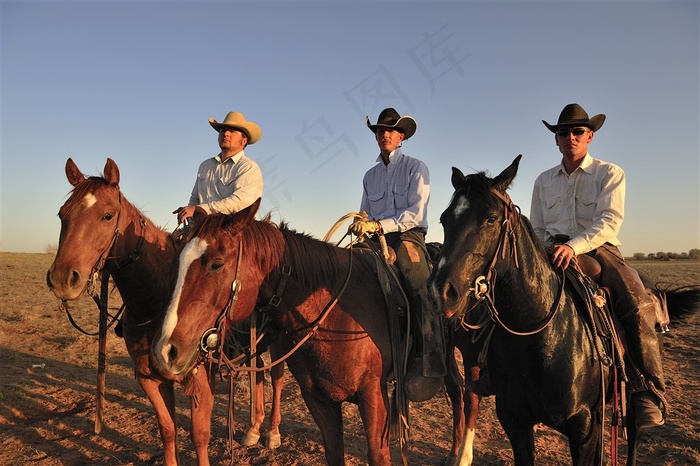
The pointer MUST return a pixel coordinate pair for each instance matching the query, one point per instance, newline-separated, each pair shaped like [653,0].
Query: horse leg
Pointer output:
[201,407]
[454,386]
[328,416]
[374,419]
[632,444]
[465,455]
[252,435]
[161,394]
[274,439]
[159,391]
[521,437]
[584,434]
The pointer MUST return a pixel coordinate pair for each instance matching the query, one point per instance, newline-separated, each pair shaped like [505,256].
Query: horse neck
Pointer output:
[143,255]
[533,284]
[315,280]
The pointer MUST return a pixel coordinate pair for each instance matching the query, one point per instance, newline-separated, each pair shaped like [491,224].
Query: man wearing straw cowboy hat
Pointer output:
[395,198]
[229,181]
[577,208]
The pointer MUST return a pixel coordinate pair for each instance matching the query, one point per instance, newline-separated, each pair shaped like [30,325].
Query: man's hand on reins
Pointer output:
[562,254]
[364,226]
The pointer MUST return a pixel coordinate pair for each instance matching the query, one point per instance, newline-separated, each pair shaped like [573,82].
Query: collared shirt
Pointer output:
[227,187]
[397,194]
[588,205]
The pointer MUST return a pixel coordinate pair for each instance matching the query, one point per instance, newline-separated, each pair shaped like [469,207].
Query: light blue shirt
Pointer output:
[397,194]
[227,187]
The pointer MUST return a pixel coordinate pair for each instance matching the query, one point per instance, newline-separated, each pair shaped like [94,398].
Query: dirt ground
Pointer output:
[48,380]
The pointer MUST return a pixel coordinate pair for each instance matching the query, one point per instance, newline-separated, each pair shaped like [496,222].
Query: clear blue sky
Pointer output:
[137,82]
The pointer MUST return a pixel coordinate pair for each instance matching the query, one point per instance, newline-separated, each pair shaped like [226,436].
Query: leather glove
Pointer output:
[362,227]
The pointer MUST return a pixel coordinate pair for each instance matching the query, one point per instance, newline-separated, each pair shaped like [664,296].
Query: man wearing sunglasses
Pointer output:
[577,208]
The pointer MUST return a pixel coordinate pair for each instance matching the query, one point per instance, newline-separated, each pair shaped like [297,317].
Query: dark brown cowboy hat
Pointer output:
[237,120]
[390,118]
[575,115]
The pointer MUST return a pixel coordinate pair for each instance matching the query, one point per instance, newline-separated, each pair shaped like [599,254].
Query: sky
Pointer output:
[138,81]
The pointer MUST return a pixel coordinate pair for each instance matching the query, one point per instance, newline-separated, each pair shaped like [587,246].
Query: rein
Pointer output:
[97,269]
[212,340]
[485,285]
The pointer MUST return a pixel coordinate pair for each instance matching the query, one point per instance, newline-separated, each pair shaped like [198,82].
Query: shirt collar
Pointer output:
[234,160]
[394,156]
[585,165]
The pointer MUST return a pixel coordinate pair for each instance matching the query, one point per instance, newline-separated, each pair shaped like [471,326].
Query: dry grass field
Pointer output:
[48,378]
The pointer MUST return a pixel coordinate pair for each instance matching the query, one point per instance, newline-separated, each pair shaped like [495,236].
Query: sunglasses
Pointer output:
[562,133]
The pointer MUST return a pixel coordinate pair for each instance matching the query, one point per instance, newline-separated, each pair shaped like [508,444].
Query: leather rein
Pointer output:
[98,268]
[212,340]
[485,285]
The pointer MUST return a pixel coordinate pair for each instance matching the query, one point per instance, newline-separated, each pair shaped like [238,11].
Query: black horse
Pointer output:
[542,358]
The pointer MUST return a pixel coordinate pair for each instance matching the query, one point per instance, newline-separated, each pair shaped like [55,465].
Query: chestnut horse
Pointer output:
[542,357]
[102,231]
[326,302]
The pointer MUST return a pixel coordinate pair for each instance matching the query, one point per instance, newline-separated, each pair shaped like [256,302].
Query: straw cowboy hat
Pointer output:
[237,120]
[575,115]
[390,118]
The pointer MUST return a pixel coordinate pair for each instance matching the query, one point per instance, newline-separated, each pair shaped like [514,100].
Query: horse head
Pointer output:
[218,280]
[89,226]
[475,224]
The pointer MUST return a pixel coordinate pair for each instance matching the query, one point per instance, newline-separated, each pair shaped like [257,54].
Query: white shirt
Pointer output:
[397,194]
[588,205]
[227,187]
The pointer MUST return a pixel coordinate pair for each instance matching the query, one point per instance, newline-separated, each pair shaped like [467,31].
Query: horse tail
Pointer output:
[682,301]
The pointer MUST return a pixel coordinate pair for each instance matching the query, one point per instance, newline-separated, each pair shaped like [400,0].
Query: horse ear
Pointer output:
[244,216]
[457,177]
[251,210]
[111,172]
[503,181]
[198,214]
[73,173]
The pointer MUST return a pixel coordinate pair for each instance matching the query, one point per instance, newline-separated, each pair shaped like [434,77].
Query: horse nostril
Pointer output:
[172,353]
[74,278]
[449,293]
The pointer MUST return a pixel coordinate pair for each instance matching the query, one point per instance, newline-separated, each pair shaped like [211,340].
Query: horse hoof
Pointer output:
[450,461]
[250,438]
[273,441]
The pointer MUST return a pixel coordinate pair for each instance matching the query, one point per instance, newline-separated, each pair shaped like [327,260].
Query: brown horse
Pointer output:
[102,231]
[325,300]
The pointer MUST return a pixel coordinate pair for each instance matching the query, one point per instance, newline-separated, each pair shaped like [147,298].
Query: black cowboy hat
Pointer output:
[390,118]
[575,115]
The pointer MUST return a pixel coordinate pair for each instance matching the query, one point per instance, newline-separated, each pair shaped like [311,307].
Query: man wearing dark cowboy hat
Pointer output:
[395,197]
[577,208]
[229,181]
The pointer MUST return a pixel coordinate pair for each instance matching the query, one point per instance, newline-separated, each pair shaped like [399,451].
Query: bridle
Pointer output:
[484,285]
[99,269]
[212,341]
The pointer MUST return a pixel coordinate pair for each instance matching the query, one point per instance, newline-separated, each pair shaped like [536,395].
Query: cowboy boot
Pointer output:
[433,341]
[646,372]
[427,369]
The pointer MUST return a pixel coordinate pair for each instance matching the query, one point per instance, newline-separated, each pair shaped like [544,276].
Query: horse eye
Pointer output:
[107,217]
[491,220]
[216,265]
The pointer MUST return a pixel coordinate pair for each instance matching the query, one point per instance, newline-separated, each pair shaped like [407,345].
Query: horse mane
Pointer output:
[316,261]
[313,260]
[481,184]
[91,185]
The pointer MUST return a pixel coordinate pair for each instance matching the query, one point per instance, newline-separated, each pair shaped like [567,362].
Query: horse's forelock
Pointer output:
[89,186]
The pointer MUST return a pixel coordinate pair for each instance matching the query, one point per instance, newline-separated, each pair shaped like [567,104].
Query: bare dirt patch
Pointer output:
[48,378]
